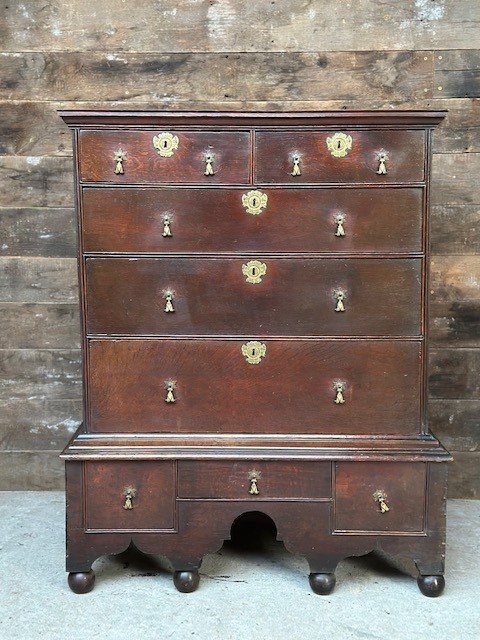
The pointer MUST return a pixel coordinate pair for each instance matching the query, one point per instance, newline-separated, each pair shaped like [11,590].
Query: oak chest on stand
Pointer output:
[254,316]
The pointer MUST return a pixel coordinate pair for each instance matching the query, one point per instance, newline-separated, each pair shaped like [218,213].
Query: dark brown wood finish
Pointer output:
[405,152]
[274,480]
[107,485]
[218,391]
[231,157]
[211,296]
[131,220]
[318,462]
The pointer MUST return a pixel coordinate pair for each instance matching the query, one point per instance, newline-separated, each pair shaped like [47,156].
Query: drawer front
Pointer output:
[225,386]
[380,497]
[303,220]
[294,297]
[130,495]
[405,157]
[143,163]
[254,480]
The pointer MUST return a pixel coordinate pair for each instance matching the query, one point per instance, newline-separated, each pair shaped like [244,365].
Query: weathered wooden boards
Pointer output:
[239,25]
[220,55]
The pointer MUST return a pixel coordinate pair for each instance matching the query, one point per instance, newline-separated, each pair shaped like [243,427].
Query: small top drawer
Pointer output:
[138,157]
[247,480]
[339,156]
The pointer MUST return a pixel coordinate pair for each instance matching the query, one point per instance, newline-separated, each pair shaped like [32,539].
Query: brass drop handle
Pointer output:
[170,386]
[167,231]
[129,495]
[339,390]
[340,297]
[120,157]
[168,295]
[381,498]
[209,165]
[340,230]
[296,165]
[382,167]
[254,477]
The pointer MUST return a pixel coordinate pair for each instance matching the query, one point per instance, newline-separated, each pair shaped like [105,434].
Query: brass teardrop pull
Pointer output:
[120,156]
[209,165]
[339,389]
[254,477]
[340,231]
[129,494]
[168,295]
[170,386]
[296,165]
[382,167]
[381,498]
[167,231]
[340,297]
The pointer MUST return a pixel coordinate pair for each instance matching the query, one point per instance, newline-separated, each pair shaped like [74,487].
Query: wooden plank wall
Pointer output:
[224,54]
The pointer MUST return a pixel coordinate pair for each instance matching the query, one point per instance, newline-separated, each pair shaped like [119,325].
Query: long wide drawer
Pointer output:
[269,296]
[270,386]
[254,480]
[340,156]
[164,156]
[340,220]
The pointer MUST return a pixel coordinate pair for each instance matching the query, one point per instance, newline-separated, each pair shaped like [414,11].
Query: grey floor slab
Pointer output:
[243,595]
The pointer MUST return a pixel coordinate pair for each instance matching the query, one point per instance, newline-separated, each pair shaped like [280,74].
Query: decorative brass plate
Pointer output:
[165,143]
[254,271]
[254,351]
[254,201]
[339,144]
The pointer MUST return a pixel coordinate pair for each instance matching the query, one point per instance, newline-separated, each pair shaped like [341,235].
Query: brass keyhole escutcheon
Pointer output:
[382,163]
[381,497]
[254,271]
[165,143]
[339,144]
[254,477]
[129,494]
[254,351]
[254,202]
[120,157]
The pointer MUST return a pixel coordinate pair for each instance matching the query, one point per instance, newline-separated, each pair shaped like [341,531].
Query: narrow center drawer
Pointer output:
[230,480]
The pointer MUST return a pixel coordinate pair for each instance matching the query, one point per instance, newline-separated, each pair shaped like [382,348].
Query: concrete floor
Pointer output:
[242,594]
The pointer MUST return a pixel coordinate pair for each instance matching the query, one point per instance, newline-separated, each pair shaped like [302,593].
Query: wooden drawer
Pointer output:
[153,502]
[405,157]
[292,389]
[294,220]
[231,157]
[231,480]
[295,296]
[362,487]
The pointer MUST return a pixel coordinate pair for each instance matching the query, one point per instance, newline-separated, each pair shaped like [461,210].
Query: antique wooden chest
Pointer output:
[254,316]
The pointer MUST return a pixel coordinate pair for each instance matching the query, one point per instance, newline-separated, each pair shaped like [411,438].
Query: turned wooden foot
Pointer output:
[186,581]
[81,582]
[431,586]
[322,583]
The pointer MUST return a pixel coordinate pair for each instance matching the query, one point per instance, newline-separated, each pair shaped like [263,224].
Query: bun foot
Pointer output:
[431,586]
[81,582]
[186,581]
[322,583]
